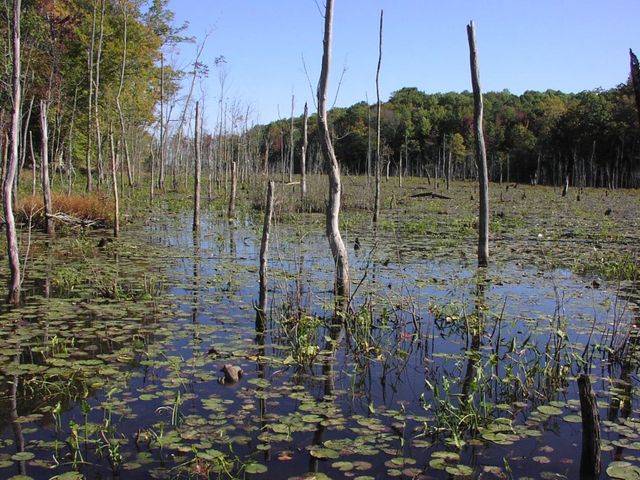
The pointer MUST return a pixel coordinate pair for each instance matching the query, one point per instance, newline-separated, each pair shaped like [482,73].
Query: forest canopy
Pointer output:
[535,137]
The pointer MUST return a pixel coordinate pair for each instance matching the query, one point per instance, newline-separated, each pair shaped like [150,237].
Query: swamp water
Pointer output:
[441,373]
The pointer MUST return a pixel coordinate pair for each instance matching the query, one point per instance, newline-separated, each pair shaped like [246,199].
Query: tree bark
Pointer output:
[46,184]
[338,249]
[590,458]
[481,152]
[303,156]
[198,173]
[261,311]
[376,202]
[10,224]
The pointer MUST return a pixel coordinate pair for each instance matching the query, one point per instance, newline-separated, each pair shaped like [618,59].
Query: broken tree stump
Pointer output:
[590,458]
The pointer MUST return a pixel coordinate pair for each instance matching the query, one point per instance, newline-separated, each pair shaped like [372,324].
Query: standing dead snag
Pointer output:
[338,250]
[7,190]
[198,173]
[234,186]
[481,153]
[590,457]
[46,185]
[376,211]
[291,140]
[114,181]
[303,156]
[261,310]
[635,79]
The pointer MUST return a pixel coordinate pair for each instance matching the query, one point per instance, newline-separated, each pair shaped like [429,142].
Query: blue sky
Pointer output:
[568,45]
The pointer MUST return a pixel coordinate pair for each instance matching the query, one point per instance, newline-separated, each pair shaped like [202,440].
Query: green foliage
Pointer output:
[609,265]
[533,135]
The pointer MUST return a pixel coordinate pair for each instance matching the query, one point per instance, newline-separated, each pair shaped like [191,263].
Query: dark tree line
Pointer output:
[591,137]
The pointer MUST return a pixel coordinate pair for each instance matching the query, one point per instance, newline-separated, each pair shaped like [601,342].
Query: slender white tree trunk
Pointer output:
[338,249]
[481,152]
[10,224]
[114,182]
[378,166]
[198,173]
[123,131]
[234,184]
[89,186]
[261,311]
[303,156]
[291,140]
[46,185]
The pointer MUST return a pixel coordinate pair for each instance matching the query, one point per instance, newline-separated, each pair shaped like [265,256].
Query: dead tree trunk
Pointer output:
[261,310]
[291,141]
[96,101]
[198,173]
[114,181]
[89,186]
[10,224]
[590,458]
[338,249]
[635,78]
[481,153]
[303,156]
[378,166]
[123,131]
[232,196]
[46,184]
[161,152]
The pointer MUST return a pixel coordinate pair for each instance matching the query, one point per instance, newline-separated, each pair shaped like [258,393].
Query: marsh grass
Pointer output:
[95,209]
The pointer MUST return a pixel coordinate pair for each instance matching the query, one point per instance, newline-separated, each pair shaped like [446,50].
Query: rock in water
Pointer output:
[232,373]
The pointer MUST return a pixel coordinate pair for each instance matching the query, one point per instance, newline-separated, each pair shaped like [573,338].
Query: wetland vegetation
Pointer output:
[113,364]
[148,335]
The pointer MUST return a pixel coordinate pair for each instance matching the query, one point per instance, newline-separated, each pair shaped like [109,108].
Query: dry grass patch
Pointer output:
[95,209]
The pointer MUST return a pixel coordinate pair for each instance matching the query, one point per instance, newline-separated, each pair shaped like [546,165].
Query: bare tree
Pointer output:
[261,310]
[198,173]
[338,250]
[481,152]
[291,140]
[376,211]
[635,78]
[10,224]
[46,184]
[90,53]
[303,155]
[125,14]
[161,148]
[96,90]
[114,182]
[234,186]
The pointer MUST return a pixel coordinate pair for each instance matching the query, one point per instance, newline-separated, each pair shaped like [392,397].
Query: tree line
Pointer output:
[589,138]
[98,66]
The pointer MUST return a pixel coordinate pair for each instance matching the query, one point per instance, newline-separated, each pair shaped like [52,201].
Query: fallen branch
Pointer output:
[71,220]
[432,195]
